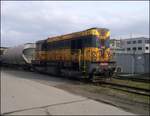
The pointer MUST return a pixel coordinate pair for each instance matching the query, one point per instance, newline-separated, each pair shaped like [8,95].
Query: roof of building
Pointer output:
[136,38]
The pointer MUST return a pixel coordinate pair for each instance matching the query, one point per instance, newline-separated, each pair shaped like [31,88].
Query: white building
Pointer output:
[116,46]
[138,45]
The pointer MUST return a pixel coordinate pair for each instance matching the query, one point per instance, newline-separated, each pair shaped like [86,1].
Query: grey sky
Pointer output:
[30,21]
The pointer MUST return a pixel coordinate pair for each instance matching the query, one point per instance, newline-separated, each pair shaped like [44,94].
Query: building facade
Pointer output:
[132,55]
[116,46]
[138,45]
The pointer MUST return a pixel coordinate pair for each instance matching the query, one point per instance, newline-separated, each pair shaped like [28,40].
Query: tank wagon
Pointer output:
[84,54]
[21,55]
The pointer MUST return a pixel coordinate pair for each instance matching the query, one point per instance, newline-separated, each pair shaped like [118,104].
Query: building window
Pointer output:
[128,42]
[134,42]
[134,48]
[128,49]
[139,41]
[146,48]
[147,41]
[139,48]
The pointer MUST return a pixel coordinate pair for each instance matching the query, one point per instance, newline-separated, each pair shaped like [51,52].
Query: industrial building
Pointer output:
[137,45]
[132,55]
[116,46]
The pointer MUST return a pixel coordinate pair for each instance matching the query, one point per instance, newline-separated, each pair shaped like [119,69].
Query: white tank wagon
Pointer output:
[21,55]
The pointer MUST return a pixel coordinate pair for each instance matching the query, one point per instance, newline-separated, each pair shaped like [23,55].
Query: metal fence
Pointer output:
[133,63]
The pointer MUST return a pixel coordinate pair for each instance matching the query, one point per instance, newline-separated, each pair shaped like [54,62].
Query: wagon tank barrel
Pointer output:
[19,55]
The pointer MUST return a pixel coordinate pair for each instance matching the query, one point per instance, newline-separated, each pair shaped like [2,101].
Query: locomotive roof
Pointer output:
[91,31]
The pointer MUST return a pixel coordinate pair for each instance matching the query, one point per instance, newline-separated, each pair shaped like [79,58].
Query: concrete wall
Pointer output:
[133,63]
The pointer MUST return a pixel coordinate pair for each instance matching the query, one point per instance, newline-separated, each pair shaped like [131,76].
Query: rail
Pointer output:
[146,80]
[126,88]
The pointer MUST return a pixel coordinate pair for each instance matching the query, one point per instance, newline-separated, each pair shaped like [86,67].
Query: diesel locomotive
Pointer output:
[84,54]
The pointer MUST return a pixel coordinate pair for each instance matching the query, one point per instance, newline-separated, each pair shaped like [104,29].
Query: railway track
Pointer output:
[122,87]
[126,88]
[138,79]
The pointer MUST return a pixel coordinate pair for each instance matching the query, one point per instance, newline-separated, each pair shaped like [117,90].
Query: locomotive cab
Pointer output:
[101,65]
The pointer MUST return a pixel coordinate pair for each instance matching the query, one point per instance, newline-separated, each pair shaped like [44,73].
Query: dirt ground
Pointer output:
[108,97]
[130,103]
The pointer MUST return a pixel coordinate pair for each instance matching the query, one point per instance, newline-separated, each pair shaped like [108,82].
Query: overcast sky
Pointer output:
[29,21]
